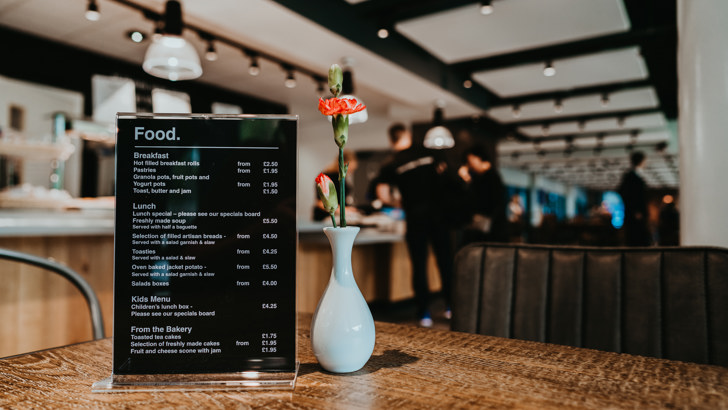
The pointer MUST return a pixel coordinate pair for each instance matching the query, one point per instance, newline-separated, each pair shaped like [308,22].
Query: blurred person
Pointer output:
[516,218]
[633,191]
[418,175]
[332,171]
[669,222]
[485,197]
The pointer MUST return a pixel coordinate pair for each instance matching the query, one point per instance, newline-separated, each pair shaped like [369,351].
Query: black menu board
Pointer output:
[205,244]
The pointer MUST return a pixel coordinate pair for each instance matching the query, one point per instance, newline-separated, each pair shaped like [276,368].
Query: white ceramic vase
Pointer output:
[342,330]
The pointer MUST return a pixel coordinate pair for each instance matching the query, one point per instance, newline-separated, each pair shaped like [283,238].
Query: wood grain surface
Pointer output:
[410,368]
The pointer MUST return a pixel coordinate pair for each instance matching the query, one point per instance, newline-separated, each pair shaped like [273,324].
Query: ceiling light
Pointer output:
[439,137]
[486,7]
[548,69]
[211,53]
[254,68]
[136,36]
[290,80]
[347,91]
[383,33]
[604,99]
[633,135]
[92,11]
[558,106]
[468,84]
[171,57]
[545,129]
[516,110]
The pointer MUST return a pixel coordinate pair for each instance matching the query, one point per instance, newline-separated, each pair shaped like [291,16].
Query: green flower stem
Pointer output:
[342,187]
[333,220]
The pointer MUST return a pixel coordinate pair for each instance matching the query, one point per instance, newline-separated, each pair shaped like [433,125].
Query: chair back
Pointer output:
[97,320]
[667,302]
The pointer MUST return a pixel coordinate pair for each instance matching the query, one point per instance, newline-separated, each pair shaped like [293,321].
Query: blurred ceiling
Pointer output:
[614,87]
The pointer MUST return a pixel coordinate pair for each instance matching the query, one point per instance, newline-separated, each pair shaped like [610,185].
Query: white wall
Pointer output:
[40,102]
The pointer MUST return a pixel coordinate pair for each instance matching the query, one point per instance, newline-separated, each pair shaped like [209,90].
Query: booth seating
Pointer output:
[666,302]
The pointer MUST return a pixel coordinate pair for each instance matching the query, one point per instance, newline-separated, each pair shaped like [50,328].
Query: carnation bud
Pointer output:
[327,193]
[336,79]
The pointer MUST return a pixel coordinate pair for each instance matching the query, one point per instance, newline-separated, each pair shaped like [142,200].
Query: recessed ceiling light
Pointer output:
[92,11]
[211,53]
[486,7]
[290,81]
[383,33]
[604,100]
[136,36]
[548,69]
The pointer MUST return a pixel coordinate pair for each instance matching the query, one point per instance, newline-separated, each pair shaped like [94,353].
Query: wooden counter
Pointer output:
[411,368]
[39,309]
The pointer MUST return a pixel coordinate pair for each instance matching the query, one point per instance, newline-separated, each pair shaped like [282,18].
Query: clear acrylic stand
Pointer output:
[247,380]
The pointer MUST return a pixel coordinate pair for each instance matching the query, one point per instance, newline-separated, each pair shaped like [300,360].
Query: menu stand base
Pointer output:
[247,380]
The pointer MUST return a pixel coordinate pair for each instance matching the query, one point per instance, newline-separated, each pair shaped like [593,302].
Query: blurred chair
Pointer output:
[667,302]
[97,321]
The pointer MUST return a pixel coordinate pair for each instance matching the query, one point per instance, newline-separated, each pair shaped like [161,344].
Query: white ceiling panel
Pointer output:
[638,98]
[449,35]
[587,70]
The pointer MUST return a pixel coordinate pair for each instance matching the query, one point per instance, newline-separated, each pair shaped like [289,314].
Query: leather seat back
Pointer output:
[667,302]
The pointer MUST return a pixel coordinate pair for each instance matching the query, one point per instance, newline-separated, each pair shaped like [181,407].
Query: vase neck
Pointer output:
[342,242]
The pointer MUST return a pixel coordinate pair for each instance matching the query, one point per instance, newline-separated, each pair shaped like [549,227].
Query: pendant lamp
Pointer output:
[347,91]
[438,137]
[170,56]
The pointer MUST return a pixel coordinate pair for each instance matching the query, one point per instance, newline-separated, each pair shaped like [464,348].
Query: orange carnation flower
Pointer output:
[334,106]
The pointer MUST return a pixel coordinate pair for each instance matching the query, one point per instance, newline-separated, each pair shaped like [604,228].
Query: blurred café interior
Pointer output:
[561,92]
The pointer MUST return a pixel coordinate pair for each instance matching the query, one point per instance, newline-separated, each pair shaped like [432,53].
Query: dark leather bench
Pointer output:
[667,302]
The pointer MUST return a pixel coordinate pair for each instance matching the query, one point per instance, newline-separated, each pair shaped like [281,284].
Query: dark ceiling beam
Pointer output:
[343,19]
[577,92]
[583,117]
[564,50]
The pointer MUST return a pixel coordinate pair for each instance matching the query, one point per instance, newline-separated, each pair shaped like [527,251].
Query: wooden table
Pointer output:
[411,368]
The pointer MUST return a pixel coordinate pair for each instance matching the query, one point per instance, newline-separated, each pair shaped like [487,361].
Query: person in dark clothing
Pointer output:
[485,198]
[418,175]
[669,226]
[633,191]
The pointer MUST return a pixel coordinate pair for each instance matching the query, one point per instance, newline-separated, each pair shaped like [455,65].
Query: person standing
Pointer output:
[633,191]
[485,198]
[418,175]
